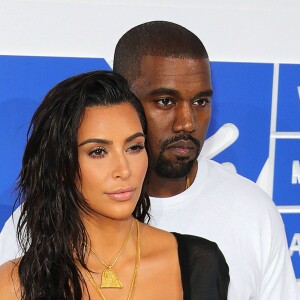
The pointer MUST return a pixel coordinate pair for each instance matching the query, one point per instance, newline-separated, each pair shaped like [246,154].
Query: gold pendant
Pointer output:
[110,279]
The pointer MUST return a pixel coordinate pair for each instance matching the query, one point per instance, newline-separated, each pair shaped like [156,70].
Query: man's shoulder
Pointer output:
[224,177]
[9,248]
[232,188]
[217,170]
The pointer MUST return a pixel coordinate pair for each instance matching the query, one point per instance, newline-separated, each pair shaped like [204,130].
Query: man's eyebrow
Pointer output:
[98,141]
[163,91]
[173,92]
[108,142]
[207,93]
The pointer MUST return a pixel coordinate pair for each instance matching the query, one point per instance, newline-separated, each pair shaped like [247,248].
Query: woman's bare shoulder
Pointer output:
[159,239]
[9,280]
[156,231]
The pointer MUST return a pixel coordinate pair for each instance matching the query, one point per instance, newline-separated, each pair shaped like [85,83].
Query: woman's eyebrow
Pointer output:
[108,142]
[99,141]
[132,137]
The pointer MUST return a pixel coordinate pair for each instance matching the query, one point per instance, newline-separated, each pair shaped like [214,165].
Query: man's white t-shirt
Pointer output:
[231,211]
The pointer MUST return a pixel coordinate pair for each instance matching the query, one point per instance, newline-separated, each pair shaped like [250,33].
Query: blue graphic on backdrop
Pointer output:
[288,98]
[24,81]
[292,227]
[287,155]
[242,96]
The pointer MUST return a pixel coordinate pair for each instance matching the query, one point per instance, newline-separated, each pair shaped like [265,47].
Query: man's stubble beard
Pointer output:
[166,168]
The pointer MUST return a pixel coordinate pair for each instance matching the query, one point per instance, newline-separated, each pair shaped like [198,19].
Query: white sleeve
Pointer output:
[9,248]
[278,278]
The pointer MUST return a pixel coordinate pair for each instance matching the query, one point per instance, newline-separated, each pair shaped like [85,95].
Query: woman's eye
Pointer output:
[136,148]
[98,153]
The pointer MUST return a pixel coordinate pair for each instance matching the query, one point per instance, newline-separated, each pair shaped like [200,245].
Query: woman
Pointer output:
[82,225]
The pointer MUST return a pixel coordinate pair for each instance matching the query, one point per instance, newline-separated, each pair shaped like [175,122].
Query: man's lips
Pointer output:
[121,194]
[182,148]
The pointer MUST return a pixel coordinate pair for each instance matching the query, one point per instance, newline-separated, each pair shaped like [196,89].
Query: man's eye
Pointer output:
[98,153]
[201,102]
[165,102]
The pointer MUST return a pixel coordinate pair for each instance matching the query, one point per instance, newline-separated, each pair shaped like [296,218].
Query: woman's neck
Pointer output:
[106,236]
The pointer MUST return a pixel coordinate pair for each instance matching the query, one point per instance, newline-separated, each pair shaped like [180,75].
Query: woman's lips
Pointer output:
[121,194]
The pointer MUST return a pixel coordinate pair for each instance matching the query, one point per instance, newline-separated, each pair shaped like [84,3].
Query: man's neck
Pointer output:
[162,187]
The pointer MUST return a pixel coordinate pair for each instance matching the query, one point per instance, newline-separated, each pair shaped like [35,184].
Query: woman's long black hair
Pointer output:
[50,230]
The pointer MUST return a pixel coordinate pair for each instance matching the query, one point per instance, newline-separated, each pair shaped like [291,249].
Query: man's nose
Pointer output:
[184,119]
[121,167]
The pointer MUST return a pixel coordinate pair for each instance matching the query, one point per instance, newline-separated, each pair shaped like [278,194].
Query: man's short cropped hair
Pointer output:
[156,38]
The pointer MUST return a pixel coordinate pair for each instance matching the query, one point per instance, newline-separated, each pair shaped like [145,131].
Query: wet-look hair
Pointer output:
[50,230]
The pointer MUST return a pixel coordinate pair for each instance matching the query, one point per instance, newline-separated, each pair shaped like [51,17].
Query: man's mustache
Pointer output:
[177,138]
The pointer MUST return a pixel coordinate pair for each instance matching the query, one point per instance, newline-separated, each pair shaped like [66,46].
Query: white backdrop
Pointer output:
[232,30]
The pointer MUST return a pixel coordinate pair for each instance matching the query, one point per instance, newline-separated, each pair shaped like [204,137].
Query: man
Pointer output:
[168,68]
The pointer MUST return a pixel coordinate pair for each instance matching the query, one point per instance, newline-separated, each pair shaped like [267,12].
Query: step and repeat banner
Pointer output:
[261,100]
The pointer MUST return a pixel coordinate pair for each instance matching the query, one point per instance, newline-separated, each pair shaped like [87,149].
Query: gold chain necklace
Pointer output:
[135,272]
[109,278]
[187,182]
